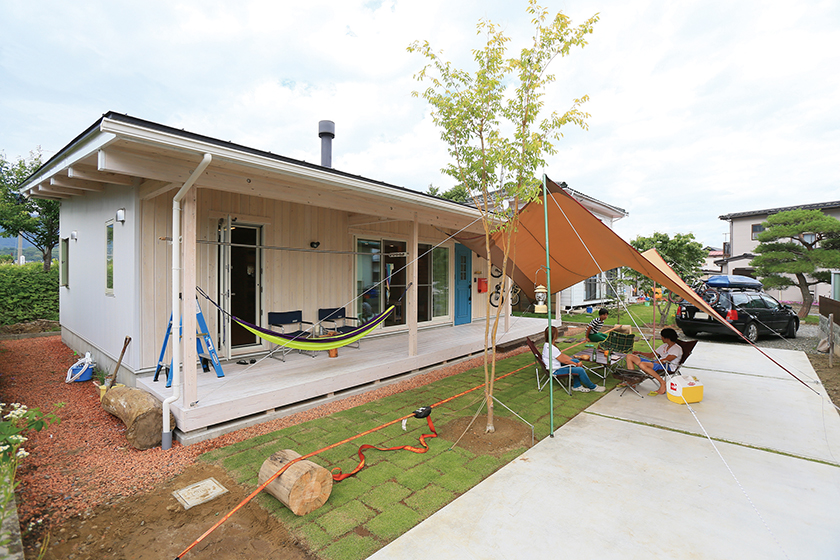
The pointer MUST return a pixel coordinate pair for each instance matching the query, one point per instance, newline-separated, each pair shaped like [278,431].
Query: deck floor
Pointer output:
[256,393]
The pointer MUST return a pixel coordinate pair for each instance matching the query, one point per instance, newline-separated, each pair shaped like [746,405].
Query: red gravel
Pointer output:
[85,461]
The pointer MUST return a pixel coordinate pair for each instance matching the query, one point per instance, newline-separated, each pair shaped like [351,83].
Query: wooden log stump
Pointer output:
[141,413]
[302,488]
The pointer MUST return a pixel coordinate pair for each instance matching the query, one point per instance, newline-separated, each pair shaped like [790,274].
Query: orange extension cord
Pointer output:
[339,476]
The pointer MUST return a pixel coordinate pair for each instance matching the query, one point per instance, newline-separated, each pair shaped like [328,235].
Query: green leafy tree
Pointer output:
[36,220]
[495,137]
[682,253]
[458,193]
[795,249]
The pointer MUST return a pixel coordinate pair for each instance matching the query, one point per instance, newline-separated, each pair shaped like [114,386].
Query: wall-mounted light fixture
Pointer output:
[74,235]
[315,244]
[121,215]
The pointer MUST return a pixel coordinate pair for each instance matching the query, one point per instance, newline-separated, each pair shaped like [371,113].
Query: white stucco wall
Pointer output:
[92,320]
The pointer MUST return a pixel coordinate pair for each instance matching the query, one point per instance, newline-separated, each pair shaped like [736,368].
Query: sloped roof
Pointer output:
[814,206]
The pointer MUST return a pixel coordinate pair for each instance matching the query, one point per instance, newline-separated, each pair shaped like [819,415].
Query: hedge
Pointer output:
[28,293]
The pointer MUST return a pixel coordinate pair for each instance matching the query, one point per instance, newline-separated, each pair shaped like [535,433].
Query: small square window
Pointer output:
[756,229]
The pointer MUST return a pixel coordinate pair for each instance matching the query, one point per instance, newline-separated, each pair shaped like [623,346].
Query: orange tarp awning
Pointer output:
[581,246]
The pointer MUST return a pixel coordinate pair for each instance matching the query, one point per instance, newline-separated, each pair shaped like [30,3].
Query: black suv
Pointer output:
[741,302]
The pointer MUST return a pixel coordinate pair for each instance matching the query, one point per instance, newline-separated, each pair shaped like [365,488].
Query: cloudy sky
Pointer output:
[698,108]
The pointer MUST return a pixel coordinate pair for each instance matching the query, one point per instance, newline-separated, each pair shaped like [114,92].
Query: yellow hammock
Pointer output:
[329,342]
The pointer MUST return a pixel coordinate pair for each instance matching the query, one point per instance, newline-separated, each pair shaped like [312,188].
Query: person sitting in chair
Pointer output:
[666,358]
[563,365]
[592,330]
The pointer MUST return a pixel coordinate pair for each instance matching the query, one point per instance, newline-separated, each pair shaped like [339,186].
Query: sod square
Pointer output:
[417,478]
[447,460]
[314,536]
[429,500]
[305,434]
[405,459]
[248,458]
[346,490]
[484,465]
[383,496]
[345,518]
[513,454]
[351,547]
[379,473]
[393,522]
[459,480]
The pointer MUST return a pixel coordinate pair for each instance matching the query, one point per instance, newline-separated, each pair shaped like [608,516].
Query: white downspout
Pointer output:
[166,439]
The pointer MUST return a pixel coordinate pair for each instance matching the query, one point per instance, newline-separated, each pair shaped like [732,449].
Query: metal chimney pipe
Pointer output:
[326,131]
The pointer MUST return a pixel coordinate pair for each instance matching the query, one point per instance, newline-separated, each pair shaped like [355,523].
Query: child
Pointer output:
[562,364]
[592,334]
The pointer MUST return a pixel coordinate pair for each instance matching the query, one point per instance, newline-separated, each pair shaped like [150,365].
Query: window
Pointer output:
[756,229]
[109,257]
[432,282]
[591,288]
[809,238]
[381,277]
[63,255]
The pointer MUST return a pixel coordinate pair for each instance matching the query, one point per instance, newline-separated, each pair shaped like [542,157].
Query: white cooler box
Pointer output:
[685,387]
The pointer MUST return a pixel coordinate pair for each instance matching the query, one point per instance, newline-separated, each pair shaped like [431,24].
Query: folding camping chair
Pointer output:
[543,376]
[334,315]
[294,320]
[617,345]
[632,378]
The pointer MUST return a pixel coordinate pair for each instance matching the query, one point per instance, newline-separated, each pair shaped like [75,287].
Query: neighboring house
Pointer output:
[744,228]
[260,233]
[600,288]
[710,264]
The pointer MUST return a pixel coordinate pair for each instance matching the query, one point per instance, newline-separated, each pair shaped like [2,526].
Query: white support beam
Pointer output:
[52,188]
[77,184]
[150,188]
[91,174]
[39,192]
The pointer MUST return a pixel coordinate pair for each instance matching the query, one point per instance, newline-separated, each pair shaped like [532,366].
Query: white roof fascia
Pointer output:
[195,146]
[83,148]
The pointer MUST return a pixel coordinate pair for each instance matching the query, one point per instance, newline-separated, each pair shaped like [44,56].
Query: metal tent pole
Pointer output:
[548,282]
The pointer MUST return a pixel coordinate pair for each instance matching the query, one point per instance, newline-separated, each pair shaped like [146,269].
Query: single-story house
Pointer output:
[259,233]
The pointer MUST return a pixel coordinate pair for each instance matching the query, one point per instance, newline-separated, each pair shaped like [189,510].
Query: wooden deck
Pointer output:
[249,395]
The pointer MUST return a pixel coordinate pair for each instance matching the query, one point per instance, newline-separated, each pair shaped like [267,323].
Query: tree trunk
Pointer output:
[141,413]
[46,254]
[807,300]
[303,487]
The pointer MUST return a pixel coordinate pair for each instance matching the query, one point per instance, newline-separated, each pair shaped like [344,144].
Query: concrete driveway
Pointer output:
[637,478]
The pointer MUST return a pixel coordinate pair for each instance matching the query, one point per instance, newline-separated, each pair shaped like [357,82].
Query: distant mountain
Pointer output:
[6,242]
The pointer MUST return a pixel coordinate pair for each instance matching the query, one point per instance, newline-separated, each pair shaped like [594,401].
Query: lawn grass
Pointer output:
[397,489]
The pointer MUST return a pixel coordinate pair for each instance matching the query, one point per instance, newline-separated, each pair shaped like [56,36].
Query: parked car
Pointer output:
[741,301]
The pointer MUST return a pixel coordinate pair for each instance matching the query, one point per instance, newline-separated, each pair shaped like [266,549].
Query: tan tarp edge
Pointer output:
[581,247]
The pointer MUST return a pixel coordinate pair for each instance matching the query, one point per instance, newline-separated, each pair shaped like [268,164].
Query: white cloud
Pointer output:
[698,108]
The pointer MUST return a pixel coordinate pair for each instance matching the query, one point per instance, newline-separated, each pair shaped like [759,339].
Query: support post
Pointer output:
[411,296]
[189,306]
[831,340]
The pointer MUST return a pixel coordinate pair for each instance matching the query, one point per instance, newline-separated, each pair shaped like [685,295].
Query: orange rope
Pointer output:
[276,475]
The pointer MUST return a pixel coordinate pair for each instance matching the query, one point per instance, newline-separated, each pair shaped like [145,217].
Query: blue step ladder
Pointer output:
[203,345]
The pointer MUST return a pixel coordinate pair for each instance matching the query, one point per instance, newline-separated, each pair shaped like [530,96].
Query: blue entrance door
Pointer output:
[463,284]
